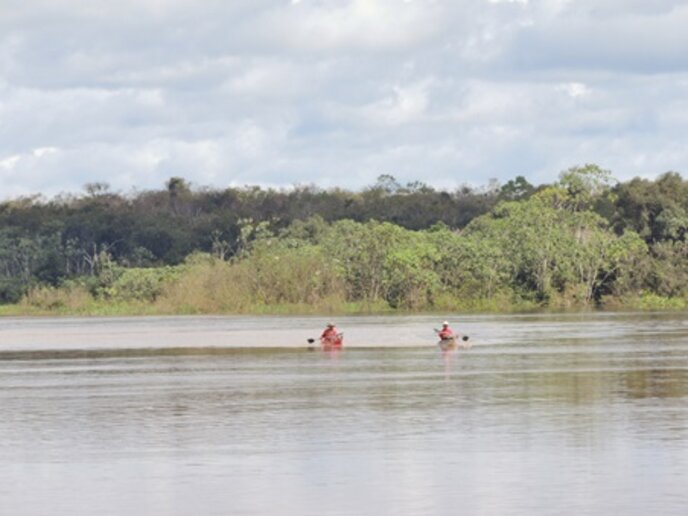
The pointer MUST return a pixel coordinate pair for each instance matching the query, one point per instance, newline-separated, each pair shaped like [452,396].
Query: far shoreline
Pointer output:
[353,310]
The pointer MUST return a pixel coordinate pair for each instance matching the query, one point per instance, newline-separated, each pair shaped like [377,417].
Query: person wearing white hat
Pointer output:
[446,332]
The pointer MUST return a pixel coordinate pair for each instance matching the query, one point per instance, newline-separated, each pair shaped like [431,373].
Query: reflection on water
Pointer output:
[543,415]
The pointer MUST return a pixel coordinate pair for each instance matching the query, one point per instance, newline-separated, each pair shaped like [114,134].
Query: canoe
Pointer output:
[447,344]
[454,343]
[333,342]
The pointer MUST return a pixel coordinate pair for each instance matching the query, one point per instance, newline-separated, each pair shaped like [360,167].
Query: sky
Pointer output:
[334,93]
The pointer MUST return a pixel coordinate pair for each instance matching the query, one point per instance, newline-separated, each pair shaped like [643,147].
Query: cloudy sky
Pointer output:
[337,92]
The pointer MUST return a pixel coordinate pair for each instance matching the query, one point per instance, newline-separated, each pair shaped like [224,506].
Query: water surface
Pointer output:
[545,414]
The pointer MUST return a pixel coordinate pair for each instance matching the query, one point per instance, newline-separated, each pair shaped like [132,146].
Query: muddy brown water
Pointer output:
[544,414]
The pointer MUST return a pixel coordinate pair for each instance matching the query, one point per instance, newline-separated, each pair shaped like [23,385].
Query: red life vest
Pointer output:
[446,333]
[331,338]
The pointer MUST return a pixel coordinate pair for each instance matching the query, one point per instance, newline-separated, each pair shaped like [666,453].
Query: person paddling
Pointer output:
[331,337]
[446,333]
[449,339]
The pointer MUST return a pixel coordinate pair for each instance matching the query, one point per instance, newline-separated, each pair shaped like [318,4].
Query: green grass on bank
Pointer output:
[105,308]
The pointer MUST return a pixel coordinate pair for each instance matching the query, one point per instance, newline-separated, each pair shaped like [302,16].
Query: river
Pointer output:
[545,414]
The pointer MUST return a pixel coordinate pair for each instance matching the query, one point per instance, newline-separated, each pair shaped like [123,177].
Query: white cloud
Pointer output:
[524,2]
[574,89]
[10,163]
[402,105]
[364,25]
[272,79]
[45,151]
[335,92]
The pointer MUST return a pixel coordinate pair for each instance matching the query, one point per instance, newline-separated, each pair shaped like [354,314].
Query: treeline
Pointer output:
[50,241]
[582,241]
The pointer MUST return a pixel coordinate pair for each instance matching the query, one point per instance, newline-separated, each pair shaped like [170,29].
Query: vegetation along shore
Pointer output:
[585,241]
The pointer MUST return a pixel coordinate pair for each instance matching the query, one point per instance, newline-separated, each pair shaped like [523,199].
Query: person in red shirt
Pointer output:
[446,332]
[331,337]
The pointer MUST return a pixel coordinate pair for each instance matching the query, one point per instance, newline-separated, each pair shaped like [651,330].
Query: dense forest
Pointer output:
[585,240]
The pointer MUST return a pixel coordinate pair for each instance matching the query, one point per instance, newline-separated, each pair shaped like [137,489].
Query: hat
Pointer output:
[445,323]
[330,325]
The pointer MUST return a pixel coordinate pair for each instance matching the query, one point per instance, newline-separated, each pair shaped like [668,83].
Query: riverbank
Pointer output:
[89,307]
[271,284]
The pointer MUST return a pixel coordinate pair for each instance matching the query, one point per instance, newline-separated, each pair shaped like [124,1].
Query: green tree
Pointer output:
[516,189]
[410,277]
[584,184]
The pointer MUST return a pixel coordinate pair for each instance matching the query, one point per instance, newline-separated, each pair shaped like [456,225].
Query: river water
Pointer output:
[544,414]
